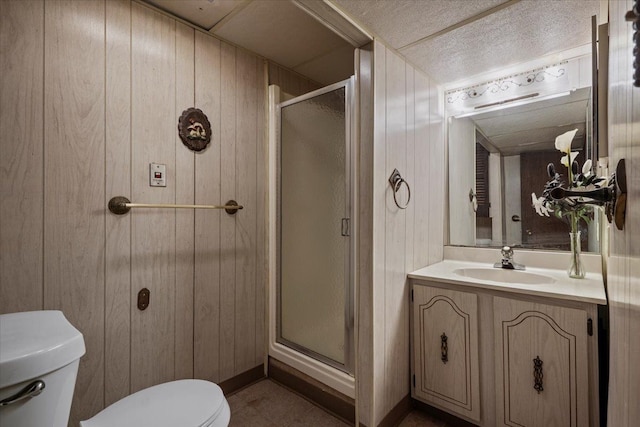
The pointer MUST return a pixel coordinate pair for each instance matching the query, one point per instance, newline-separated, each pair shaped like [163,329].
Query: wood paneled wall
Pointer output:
[90,95]
[74,146]
[290,82]
[623,275]
[21,156]
[407,134]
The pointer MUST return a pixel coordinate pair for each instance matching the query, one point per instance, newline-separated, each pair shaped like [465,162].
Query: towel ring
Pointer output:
[396,181]
[395,191]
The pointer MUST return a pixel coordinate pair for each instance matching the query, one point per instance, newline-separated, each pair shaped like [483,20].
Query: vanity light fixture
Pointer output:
[506,101]
[541,80]
[513,102]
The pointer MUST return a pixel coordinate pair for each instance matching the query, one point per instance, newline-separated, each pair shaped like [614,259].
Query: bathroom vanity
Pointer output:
[504,348]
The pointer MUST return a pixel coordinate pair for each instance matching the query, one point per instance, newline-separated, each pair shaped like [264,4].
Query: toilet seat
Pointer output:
[184,403]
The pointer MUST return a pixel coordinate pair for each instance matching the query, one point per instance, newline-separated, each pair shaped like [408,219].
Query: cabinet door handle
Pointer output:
[444,349]
[537,374]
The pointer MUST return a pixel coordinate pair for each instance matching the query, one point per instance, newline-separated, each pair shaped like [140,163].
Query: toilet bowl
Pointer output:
[39,356]
[183,403]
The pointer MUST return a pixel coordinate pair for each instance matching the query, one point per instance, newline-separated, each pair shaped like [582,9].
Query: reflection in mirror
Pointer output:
[499,156]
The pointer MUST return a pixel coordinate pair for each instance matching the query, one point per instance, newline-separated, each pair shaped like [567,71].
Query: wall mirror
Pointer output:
[499,151]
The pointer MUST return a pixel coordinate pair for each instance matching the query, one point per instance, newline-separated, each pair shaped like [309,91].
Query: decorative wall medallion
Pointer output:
[194,129]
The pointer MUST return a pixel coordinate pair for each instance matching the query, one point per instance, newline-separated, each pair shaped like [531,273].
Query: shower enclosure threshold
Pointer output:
[328,375]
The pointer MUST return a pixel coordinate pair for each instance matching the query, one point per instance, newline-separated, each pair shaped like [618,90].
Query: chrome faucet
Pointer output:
[507,260]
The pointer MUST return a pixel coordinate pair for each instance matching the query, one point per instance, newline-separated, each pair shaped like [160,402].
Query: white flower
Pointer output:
[563,142]
[538,204]
[586,168]
[565,160]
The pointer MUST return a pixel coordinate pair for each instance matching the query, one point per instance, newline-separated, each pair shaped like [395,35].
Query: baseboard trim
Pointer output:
[242,380]
[331,400]
[398,413]
[450,419]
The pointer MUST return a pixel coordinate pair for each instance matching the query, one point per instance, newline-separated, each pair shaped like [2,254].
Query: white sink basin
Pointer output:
[504,276]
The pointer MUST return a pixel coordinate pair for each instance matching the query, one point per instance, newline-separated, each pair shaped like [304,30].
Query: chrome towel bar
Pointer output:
[120,205]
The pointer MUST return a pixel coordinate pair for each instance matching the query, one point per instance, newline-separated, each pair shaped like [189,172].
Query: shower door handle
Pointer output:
[346,227]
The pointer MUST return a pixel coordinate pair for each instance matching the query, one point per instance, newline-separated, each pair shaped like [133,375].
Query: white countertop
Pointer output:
[589,290]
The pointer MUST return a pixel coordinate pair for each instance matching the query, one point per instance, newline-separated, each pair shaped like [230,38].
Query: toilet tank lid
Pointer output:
[35,343]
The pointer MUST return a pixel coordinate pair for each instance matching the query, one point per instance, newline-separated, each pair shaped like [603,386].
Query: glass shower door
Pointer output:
[315,314]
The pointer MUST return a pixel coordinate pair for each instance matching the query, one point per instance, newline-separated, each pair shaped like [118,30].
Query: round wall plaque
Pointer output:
[194,129]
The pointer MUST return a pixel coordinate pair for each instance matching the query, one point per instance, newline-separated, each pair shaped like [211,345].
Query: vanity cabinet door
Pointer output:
[445,350]
[541,365]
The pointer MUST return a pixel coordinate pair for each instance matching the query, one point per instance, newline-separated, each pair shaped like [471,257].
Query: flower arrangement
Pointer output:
[567,203]
[572,209]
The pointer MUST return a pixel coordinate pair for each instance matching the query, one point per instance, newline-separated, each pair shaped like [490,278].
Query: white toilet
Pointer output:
[39,356]
[183,403]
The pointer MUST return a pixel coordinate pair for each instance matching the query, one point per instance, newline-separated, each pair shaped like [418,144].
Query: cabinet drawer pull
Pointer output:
[444,349]
[537,374]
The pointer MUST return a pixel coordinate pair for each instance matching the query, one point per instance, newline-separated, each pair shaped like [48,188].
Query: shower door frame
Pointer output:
[350,204]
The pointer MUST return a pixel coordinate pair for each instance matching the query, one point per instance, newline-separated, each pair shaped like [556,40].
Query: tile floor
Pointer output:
[268,404]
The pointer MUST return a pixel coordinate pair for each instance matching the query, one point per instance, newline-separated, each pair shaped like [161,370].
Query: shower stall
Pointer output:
[312,233]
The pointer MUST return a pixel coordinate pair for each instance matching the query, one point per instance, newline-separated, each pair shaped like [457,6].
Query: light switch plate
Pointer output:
[157,175]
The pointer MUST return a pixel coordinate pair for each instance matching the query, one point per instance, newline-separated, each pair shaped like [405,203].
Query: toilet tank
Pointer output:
[39,356]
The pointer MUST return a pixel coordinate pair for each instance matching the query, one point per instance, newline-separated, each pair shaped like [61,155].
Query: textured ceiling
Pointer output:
[450,40]
[401,22]
[496,33]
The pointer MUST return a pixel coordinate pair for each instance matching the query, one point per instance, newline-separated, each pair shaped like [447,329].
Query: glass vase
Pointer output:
[576,268]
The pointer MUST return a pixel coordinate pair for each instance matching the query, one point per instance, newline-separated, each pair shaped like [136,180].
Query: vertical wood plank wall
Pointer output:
[249,133]
[407,134]
[90,95]
[289,81]
[364,292]
[185,219]
[208,250]
[153,233]
[74,170]
[117,344]
[91,100]
[228,233]
[21,156]
[623,275]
